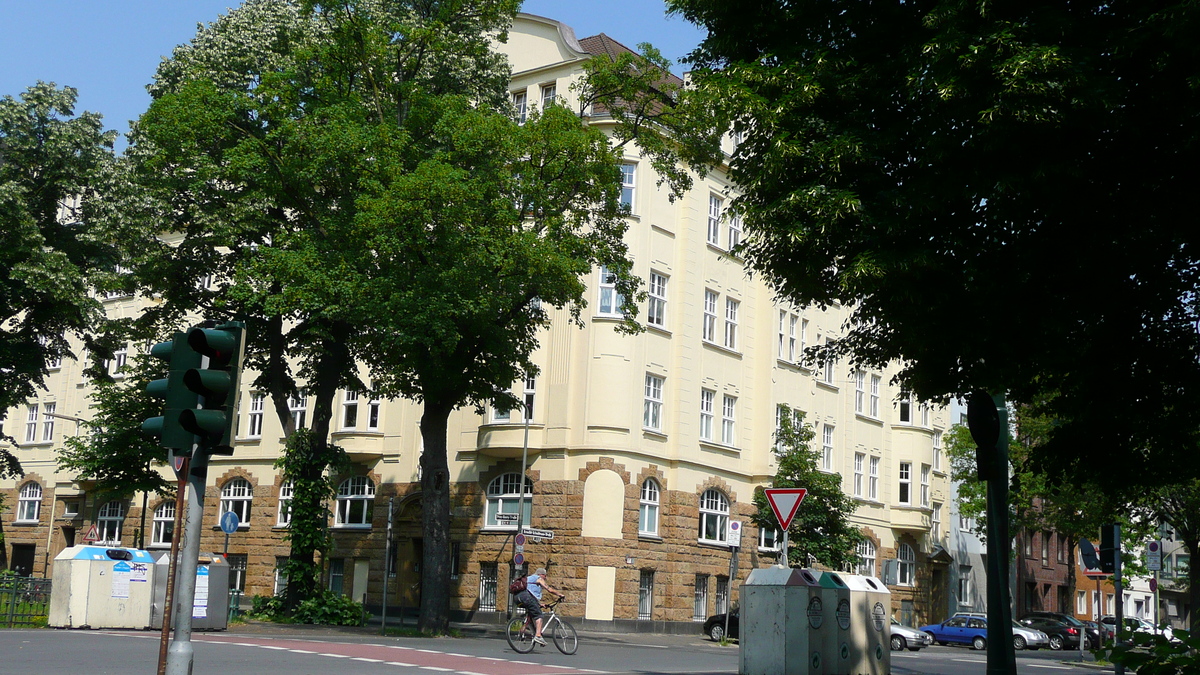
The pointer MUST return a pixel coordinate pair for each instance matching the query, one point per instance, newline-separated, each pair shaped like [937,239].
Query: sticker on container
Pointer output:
[200,608]
[843,614]
[879,616]
[816,612]
[120,580]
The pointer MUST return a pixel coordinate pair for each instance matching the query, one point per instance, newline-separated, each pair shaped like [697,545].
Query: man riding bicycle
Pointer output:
[531,600]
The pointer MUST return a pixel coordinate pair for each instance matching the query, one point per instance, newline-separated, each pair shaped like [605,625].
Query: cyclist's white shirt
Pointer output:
[532,585]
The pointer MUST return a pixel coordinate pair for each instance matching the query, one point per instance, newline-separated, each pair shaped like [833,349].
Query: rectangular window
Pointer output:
[769,538]
[722,595]
[656,311]
[488,573]
[48,423]
[1045,549]
[1062,548]
[875,396]
[937,450]
[31,424]
[645,595]
[520,102]
[298,406]
[936,524]
[779,348]
[1081,603]
[373,415]
[860,391]
[964,584]
[925,485]
[652,408]
[728,417]
[337,575]
[924,415]
[709,327]
[905,493]
[700,598]
[735,231]
[906,410]
[731,322]
[119,359]
[873,483]
[610,300]
[350,410]
[280,574]
[530,397]
[792,355]
[826,447]
[257,402]
[714,220]
[237,571]
[549,94]
[859,460]
[803,343]
[628,183]
[706,414]
[830,365]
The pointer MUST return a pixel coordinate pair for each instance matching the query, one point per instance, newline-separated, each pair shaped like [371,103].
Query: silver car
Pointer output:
[1025,637]
[911,639]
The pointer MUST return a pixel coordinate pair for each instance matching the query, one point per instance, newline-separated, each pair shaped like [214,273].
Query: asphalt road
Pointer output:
[308,652]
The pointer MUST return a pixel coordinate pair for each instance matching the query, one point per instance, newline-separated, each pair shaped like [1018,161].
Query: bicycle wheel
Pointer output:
[519,639]
[565,637]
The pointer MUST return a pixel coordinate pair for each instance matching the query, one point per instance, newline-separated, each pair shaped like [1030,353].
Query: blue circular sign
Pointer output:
[229,522]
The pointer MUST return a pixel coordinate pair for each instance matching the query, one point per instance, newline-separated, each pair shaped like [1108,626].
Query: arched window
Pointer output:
[108,523]
[236,496]
[286,490]
[648,510]
[164,524]
[714,516]
[355,502]
[504,496]
[29,502]
[866,558]
[907,573]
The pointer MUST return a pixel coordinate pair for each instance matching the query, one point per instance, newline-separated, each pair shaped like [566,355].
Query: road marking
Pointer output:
[465,656]
[443,670]
[489,658]
[397,663]
[429,651]
[271,647]
[528,663]
[362,658]
[550,665]
[971,660]
[467,672]
[336,656]
[301,651]
[1038,665]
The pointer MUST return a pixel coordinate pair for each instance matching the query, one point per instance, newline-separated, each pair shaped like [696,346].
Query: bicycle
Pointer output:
[520,631]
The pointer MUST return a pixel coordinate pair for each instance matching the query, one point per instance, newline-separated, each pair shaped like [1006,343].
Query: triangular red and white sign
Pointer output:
[92,534]
[785,502]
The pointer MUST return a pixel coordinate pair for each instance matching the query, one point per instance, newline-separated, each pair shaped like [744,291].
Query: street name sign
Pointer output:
[784,503]
[506,517]
[539,534]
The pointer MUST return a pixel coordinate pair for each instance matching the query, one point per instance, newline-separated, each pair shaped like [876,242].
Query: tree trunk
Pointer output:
[1193,543]
[435,519]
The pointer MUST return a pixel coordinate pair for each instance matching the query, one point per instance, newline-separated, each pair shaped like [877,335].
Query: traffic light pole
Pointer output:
[172,568]
[180,654]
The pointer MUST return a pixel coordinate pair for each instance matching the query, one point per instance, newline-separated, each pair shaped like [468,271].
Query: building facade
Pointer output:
[641,449]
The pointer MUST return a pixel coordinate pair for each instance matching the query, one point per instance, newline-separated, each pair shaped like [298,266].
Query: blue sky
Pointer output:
[109,49]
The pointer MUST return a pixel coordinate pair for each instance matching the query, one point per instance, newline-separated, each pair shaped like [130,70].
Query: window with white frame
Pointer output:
[907,575]
[504,496]
[829,366]
[118,361]
[714,220]
[964,584]
[48,421]
[108,523]
[779,346]
[735,231]
[827,447]
[652,406]
[706,414]
[770,539]
[521,103]
[31,424]
[53,361]
[860,391]
[29,503]
[501,415]
[373,414]
[937,450]
[729,420]
[906,415]
[731,322]
[700,598]
[255,418]
[873,480]
[714,516]
[904,493]
[530,397]
[549,94]
[708,330]
[722,604]
[866,557]
[925,485]
[236,497]
[781,413]
[648,508]
[298,406]
[803,343]
[628,185]
[164,525]
[924,415]
[355,502]
[859,459]
[610,300]
[1081,603]
[656,309]
[286,490]
[936,522]
[349,409]
[874,399]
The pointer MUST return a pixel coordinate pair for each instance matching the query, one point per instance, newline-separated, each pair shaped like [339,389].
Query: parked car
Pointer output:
[1136,625]
[1096,628]
[911,639]
[963,630]
[714,627]
[1091,634]
[1025,637]
[1062,634]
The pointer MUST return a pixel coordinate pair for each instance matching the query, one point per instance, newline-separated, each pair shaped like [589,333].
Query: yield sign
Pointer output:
[785,502]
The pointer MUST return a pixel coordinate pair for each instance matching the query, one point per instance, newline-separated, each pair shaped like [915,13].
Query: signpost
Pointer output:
[784,504]
[1154,556]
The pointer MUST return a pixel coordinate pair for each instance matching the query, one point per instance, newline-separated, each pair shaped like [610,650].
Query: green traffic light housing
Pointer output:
[178,398]
[214,382]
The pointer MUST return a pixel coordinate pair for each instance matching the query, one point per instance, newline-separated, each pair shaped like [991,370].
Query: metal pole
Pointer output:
[387,566]
[172,566]
[521,499]
[733,567]
[785,562]
[1120,600]
[1001,659]
[180,654]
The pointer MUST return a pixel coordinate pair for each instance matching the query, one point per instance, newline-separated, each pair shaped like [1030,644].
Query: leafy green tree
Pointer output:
[821,529]
[1179,505]
[1000,191]
[54,255]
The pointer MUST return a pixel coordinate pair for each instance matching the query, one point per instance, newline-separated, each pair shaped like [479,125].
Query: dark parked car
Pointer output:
[714,627]
[1062,634]
[1092,632]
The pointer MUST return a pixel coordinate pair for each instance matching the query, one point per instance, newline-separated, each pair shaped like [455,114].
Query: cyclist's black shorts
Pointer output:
[533,608]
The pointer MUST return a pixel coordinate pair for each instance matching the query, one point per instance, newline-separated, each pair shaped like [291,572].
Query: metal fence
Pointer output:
[24,601]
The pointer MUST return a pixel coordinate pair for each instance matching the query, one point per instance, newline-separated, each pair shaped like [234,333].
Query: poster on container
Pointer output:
[200,608]
[120,579]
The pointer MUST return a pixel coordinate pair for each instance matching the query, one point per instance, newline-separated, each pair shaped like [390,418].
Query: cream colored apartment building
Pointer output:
[641,448]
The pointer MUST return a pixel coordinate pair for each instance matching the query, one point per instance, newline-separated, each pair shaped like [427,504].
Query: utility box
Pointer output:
[870,630]
[777,611]
[211,608]
[99,587]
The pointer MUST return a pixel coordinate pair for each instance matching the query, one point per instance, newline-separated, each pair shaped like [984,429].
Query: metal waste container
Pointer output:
[211,608]
[774,630]
[101,587]
[839,645]
[870,629]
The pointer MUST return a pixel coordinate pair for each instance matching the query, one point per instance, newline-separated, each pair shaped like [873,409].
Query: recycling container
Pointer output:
[101,587]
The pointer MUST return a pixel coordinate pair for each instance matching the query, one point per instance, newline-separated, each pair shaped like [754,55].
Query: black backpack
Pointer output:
[519,584]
